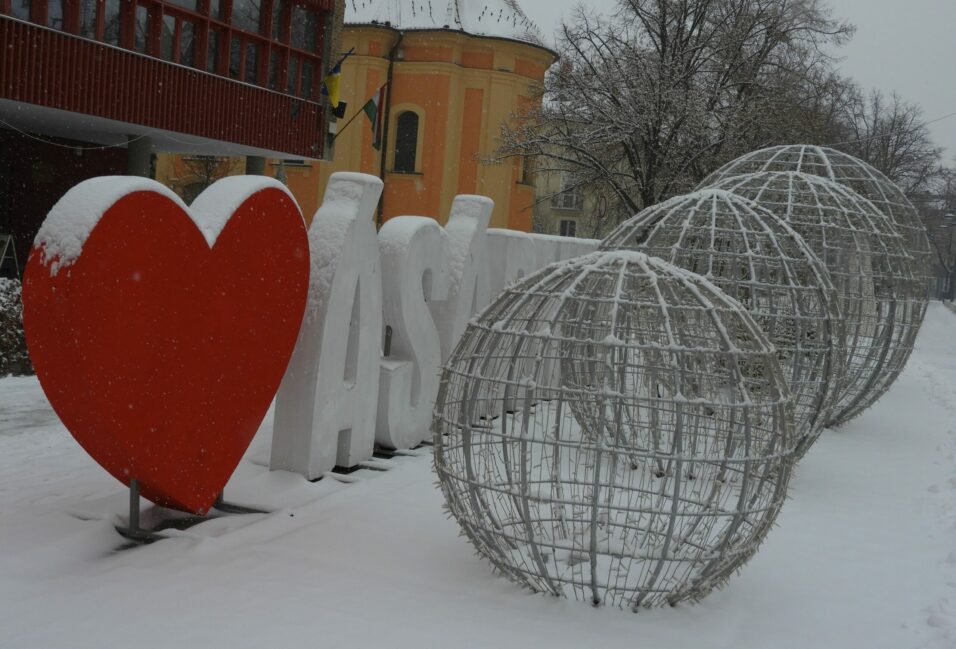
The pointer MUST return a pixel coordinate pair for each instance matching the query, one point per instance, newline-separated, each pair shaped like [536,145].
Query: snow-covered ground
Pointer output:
[864,554]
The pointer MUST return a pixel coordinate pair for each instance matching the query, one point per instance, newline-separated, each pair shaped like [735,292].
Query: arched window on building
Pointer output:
[406,142]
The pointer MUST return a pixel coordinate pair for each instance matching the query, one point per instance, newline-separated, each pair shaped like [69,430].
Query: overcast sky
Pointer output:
[904,45]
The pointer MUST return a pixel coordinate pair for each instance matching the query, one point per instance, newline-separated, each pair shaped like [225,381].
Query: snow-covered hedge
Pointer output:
[13,347]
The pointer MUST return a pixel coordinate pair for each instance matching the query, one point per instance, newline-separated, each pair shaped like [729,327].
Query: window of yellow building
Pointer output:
[406,142]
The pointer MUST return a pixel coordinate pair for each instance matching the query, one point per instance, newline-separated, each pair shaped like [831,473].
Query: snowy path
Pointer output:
[864,554]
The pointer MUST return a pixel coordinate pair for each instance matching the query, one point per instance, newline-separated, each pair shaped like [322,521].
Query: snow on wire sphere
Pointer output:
[849,171]
[760,261]
[868,262]
[688,466]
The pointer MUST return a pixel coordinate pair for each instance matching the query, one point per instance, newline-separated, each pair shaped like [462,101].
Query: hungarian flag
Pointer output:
[374,111]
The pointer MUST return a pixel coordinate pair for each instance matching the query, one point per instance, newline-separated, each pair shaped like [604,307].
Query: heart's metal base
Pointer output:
[139,535]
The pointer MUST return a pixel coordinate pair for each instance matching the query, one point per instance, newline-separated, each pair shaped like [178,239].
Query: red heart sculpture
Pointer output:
[160,350]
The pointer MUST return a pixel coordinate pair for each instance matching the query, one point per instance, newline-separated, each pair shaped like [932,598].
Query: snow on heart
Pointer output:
[73,217]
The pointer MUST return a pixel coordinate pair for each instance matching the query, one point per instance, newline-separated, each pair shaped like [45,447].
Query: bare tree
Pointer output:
[938,209]
[648,100]
[814,110]
[200,171]
[891,135]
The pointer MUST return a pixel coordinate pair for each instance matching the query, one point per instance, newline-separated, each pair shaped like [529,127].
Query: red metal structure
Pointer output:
[246,72]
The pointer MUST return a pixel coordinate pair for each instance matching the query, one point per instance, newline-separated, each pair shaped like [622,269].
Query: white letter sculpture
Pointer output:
[469,290]
[545,250]
[325,412]
[415,271]
[511,256]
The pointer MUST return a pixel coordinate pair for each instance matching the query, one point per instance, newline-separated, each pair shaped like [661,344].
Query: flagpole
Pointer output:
[341,130]
[342,60]
[387,109]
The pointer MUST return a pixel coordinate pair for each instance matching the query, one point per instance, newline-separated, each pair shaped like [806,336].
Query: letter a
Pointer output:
[325,408]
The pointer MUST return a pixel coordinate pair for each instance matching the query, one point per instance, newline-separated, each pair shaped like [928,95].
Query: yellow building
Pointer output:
[567,207]
[451,89]
[450,94]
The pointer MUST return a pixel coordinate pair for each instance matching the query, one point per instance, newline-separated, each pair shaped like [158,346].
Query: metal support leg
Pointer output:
[229,508]
[138,535]
[134,506]
[132,530]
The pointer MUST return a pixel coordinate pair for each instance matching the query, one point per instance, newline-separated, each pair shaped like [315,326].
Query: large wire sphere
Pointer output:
[867,181]
[867,261]
[655,508]
[759,260]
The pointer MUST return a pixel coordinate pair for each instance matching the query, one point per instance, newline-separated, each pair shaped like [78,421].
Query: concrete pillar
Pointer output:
[139,150]
[255,165]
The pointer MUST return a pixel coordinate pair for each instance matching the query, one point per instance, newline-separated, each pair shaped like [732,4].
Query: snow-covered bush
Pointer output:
[14,358]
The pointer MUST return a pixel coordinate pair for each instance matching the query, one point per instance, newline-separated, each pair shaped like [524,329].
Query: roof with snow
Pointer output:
[499,18]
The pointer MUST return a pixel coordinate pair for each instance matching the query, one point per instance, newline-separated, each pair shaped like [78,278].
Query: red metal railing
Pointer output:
[57,70]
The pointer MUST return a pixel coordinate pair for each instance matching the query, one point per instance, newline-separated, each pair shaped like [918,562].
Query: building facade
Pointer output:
[448,94]
[448,89]
[568,207]
[96,87]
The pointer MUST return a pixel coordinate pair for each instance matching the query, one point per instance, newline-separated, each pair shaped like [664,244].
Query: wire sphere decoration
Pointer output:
[869,264]
[652,509]
[849,171]
[760,261]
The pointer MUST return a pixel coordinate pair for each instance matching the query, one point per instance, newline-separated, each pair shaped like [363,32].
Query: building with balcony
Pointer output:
[96,87]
